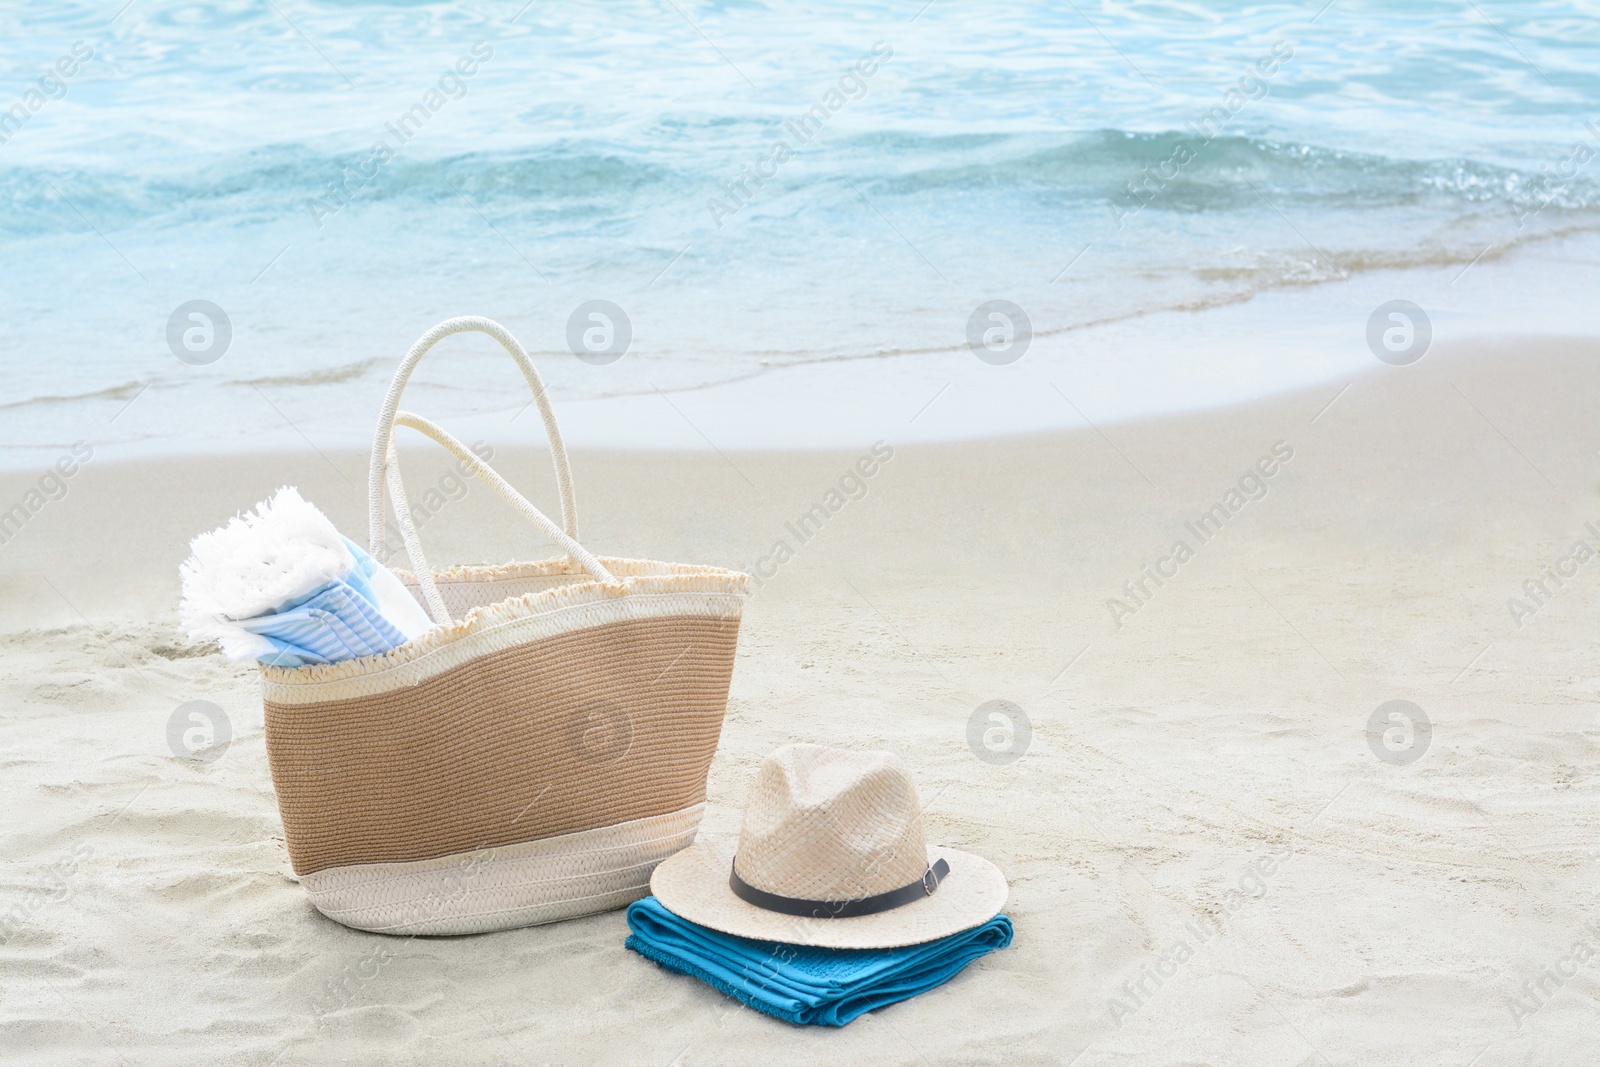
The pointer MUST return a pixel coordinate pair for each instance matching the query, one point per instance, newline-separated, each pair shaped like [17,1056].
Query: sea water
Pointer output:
[791,213]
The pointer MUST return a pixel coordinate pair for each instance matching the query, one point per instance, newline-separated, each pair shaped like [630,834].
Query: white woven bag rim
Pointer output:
[642,589]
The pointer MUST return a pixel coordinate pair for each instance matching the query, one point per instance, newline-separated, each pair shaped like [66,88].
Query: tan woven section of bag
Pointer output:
[540,739]
[535,754]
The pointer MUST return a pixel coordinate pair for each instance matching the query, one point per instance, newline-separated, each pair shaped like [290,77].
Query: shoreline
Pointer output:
[768,496]
[1168,362]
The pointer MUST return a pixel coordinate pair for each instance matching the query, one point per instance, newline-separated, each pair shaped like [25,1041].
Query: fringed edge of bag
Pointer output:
[637,576]
[562,566]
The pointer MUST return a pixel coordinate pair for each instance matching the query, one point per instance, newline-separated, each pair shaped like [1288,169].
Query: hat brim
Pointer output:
[693,884]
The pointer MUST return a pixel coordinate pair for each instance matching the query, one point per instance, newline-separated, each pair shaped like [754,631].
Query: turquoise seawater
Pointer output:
[754,185]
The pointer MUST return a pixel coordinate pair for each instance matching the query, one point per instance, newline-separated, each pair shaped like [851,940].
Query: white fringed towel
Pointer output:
[282,585]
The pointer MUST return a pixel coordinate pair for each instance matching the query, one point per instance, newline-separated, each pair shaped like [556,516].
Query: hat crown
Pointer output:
[832,824]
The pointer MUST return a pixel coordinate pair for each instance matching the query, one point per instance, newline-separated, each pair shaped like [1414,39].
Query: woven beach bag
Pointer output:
[534,756]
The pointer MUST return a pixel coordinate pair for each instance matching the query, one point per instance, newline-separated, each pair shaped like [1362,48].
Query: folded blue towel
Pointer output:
[339,621]
[799,983]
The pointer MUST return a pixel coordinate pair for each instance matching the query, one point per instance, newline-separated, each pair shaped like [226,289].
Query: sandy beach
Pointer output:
[1209,863]
[1170,429]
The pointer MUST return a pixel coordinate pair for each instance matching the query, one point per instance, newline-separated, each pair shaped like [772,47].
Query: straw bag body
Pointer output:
[530,759]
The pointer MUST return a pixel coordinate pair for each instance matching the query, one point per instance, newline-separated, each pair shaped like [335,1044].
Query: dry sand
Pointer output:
[1199,774]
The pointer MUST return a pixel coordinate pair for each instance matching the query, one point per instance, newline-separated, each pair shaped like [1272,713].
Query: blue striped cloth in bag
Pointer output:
[337,622]
[281,585]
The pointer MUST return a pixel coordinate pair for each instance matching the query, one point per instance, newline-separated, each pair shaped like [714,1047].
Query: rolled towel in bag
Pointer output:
[283,586]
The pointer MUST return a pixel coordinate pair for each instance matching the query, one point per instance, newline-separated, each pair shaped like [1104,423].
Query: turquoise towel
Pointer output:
[801,984]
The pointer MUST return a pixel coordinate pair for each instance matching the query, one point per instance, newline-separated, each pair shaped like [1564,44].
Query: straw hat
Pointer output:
[831,853]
